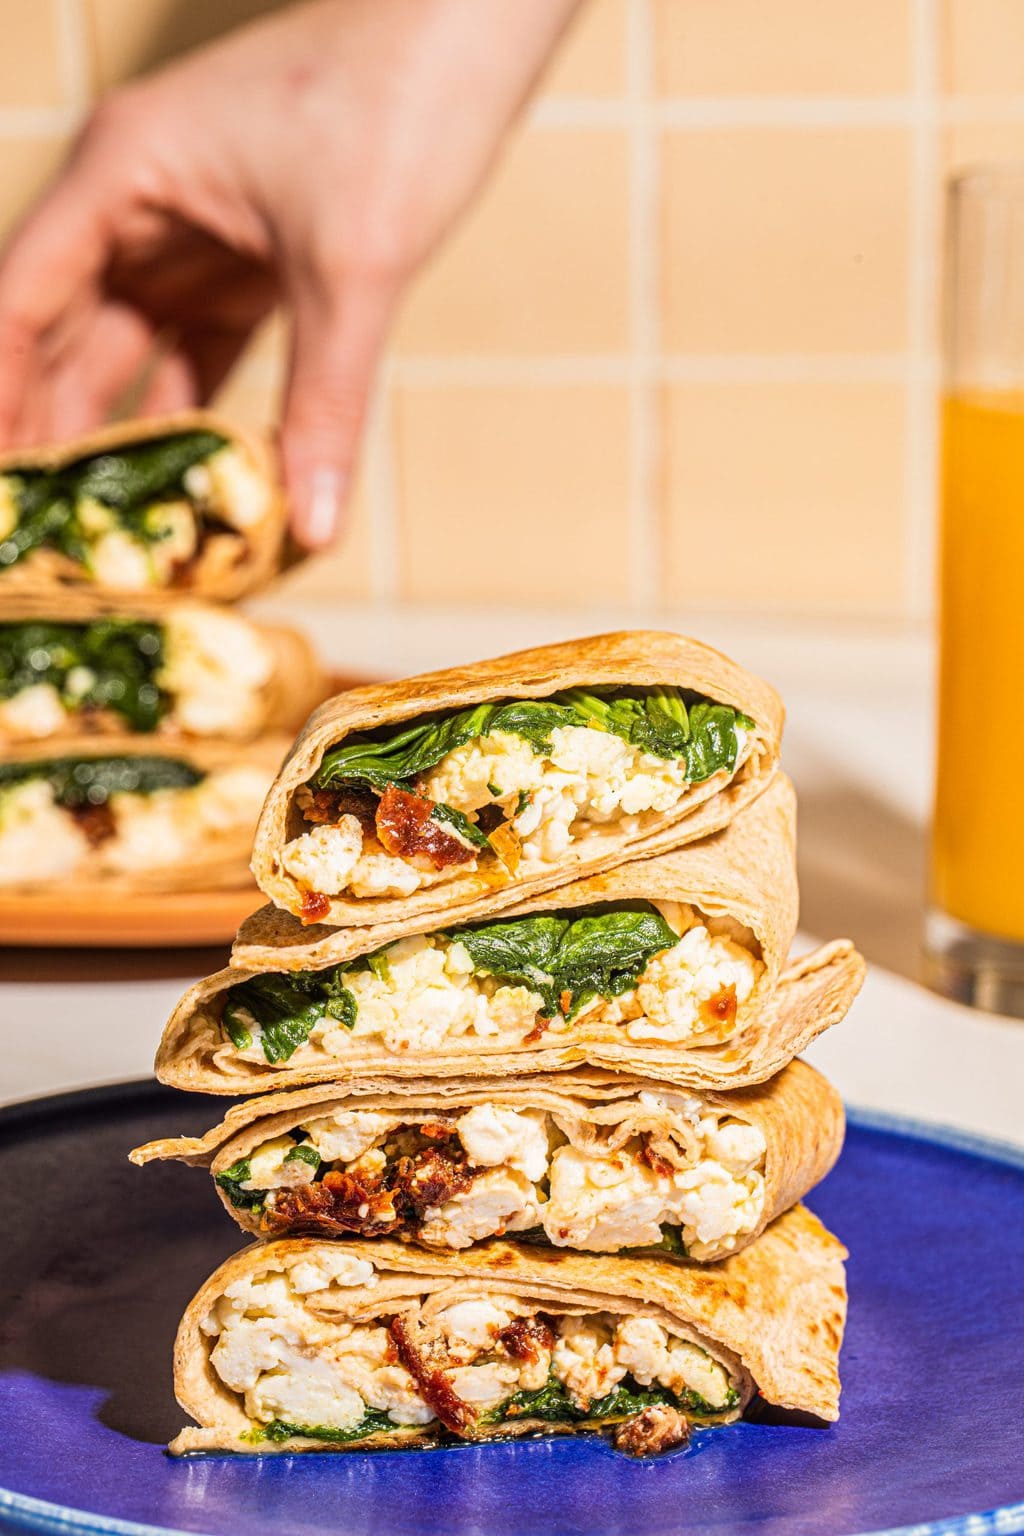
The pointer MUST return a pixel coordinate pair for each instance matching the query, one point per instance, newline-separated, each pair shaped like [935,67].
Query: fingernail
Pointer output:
[319,523]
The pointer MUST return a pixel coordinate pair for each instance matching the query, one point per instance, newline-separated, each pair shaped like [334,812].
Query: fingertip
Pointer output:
[319,507]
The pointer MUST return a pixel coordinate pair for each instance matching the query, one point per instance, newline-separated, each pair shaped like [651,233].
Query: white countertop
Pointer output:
[858,745]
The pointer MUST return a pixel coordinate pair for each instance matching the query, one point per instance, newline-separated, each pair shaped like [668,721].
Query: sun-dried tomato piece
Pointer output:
[718,1011]
[525,1338]
[657,1428]
[96,822]
[328,806]
[340,1202]
[406,827]
[314,907]
[429,1375]
[430,1178]
[654,1160]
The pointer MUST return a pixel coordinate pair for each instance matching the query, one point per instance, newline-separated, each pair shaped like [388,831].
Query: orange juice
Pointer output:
[978,850]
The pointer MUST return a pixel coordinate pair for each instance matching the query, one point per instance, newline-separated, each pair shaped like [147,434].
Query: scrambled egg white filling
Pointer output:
[589,780]
[430,996]
[291,1358]
[536,1169]
[215,668]
[40,840]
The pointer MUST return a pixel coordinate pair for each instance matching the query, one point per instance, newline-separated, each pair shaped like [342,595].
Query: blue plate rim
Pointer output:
[21,1511]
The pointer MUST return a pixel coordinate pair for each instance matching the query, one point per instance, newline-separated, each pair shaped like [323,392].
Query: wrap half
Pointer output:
[468,790]
[154,507]
[586,1160]
[132,814]
[83,664]
[305,1345]
[666,968]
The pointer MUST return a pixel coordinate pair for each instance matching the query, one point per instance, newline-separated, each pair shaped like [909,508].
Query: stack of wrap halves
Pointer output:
[525,1134]
[141,722]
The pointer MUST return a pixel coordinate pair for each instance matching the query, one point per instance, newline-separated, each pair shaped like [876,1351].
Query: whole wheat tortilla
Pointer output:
[773,1314]
[745,873]
[641,658]
[296,684]
[799,1113]
[219,864]
[257,556]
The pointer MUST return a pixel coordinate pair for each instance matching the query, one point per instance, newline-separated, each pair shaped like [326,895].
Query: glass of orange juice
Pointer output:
[975,931]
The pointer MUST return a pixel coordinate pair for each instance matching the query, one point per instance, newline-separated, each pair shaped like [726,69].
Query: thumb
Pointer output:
[338,330]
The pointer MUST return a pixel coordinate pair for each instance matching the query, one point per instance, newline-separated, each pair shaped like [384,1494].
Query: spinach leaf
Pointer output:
[141,472]
[304,1153]
[670,1242]
[521,951]
[461,824]
[400,758]
[45,517]
[659,721]
[231,1181]
[81,781]
[236,1023]
[284,1010]
[374,1420]
[127,481]
[553,1403]
[122,656]
[603,956]
[287,1008]
[532,720]
[594,956]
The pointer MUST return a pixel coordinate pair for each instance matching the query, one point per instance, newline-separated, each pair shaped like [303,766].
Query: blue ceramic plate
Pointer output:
[99,1260]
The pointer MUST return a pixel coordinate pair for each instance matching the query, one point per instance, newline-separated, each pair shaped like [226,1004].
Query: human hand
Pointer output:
[312,159]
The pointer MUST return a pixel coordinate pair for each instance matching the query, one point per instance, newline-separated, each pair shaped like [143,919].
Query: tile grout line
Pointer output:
[385,583]
[483,370]
[923,283]
[73,53]
[644,455]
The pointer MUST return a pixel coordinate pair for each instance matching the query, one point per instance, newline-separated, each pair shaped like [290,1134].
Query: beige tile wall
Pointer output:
[683,349]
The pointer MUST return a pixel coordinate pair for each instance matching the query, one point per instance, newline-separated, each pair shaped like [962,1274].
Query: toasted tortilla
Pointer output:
[48,572]
[799,1113]
[296,685]
[773,1315]
[746,873]
[641,658]
[221,864]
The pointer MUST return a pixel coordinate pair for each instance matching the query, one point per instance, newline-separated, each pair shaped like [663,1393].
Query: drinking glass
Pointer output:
[975,924]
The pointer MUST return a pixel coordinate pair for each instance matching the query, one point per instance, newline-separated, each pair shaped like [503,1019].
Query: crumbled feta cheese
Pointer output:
[584,1357]
[215,666]
[678,980]
[33,713]
[604,1204]
[492,1135]
[330,1267]
[38,839]
[293,1364]
[344,1136]
[172,527]
[230,486]
[324,858]
[476,1323]
[151,830]
[118,560]
[269,1170]
[499,1200]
